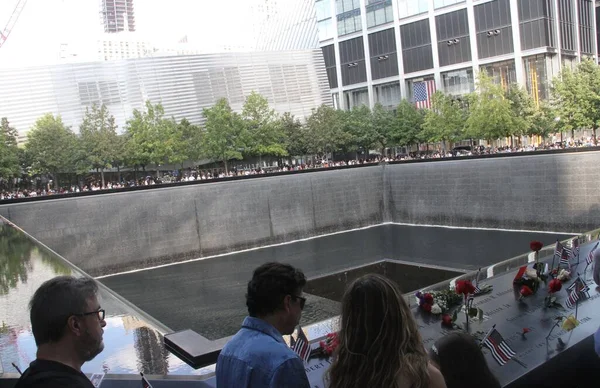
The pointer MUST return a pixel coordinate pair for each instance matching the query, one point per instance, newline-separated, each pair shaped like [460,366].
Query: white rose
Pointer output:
[436,309]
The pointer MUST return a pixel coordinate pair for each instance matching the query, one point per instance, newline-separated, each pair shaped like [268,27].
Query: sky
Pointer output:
[45,24]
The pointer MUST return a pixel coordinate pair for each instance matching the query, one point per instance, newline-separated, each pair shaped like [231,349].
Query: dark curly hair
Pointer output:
[270,283]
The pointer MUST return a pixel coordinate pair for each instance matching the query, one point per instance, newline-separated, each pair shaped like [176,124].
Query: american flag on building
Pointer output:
[423,92]
[501,352]
[590,257]
[578,290]
[301,346]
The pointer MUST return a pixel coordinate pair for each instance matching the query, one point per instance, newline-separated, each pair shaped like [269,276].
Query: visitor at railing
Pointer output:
[458,356]
[257,356]
[67,324]
[379,341]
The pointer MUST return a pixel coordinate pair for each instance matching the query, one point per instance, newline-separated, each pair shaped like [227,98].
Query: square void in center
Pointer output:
[409,277]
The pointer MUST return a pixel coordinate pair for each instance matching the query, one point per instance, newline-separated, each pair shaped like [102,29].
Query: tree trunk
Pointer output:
[102,175]
[225,164]
[119,173]
[594,134]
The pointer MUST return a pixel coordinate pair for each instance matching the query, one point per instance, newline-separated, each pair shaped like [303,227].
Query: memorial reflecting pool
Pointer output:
[207,295]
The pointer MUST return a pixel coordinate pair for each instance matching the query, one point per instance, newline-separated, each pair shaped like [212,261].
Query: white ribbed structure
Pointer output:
[288,25]
[292,81]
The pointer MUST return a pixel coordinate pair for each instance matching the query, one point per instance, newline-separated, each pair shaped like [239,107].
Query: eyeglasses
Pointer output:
[302,301]
[100,313]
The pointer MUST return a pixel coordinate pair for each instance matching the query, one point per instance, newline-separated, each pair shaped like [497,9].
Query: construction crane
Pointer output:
[12,21]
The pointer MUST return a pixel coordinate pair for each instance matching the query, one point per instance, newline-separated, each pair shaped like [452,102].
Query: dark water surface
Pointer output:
[208,295]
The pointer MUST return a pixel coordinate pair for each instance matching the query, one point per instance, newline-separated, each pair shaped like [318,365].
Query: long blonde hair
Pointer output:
[379,342]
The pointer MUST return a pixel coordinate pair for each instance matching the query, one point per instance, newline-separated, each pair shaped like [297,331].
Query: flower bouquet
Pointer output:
[528,281]
[327,346]
[437,302]
[466,289]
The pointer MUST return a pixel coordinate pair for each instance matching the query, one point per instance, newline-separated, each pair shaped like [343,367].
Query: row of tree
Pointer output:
[151,138]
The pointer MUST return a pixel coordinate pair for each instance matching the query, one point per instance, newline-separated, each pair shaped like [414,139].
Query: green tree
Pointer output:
[384,125]
[185,142]
[9,152]
[445,121]
[358,126]
[149,136]
[265,135]
[325,131]
[99,138]
[224,136]
[52,147]
[294,135]
[543,121]
[523,109]
[409,125]
[490,113]
[576,96]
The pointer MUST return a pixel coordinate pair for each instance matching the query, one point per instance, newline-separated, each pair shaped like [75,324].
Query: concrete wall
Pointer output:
[114,232]
[556,192]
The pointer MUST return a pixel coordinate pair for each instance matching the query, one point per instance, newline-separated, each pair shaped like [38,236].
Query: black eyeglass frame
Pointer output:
[302,301]
[101,314]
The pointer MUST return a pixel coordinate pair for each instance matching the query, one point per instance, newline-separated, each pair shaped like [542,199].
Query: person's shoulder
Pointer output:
[435,377]
[51,374]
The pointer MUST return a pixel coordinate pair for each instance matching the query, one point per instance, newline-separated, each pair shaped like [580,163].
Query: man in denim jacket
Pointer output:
[257,355]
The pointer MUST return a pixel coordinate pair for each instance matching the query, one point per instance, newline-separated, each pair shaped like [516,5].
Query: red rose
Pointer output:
[446,320]
[525,330]
[428,298]
[464,287]
[555,285]
[536,246]
[526,291]
[426,307]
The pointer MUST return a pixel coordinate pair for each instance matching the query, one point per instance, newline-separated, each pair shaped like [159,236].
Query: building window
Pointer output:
[356,97]
[537,70]
[379,12]
[408,8]
[586,26]
[388,95]
[458,82]
[445,3]
[503,73]
[348,16]
[324,19]
[416,46]
[536,24]
[323,9]
[325,29]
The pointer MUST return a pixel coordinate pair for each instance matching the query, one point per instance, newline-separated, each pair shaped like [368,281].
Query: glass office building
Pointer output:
[377,50]
[292,81]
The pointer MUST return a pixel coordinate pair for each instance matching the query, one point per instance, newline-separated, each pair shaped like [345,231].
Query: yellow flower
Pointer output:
[570,323]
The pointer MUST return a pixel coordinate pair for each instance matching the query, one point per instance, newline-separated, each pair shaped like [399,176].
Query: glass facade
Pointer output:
[458,82]
[324,19]
[348,16]
[379,12]
[538,71]
[292,81]
[408,8]
[503,73]
[356,97]
[445,3]
[388,94]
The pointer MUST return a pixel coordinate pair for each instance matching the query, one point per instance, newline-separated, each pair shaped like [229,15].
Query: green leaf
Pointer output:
[455,316]
[473,311]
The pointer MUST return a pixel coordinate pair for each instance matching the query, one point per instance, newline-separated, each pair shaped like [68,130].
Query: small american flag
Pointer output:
[590,257]
[301,346]
[501,352]
[564,257]
[422,93]
[578,290]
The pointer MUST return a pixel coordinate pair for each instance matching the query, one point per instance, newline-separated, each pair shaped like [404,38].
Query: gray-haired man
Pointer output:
[67,322]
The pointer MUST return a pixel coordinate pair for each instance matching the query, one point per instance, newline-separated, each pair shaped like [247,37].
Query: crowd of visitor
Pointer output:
[37,190]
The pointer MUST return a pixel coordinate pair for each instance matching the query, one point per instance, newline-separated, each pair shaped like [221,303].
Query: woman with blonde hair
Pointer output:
[379,342]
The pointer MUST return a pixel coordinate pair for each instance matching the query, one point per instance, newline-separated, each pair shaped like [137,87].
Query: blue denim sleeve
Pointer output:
[290,374]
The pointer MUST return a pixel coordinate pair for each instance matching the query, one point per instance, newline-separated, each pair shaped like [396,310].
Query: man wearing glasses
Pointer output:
[67,322]
[257,355]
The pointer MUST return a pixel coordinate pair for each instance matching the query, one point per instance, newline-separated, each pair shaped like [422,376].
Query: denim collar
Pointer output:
[258,324]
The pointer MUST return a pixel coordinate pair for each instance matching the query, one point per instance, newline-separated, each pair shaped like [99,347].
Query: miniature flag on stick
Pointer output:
[575,248]
[301,346]
[578,290]
[590,257]
[501,352]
